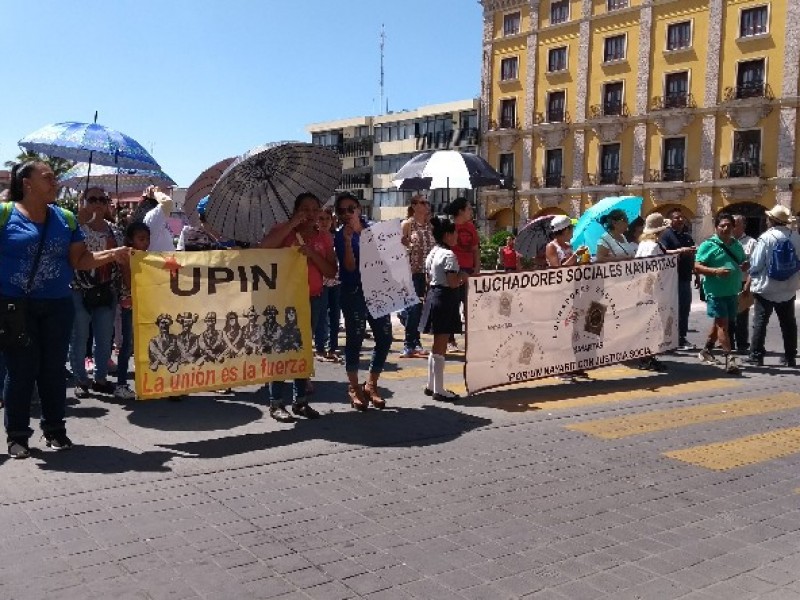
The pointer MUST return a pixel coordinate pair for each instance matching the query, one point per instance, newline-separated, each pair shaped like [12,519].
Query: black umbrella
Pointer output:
[258,189]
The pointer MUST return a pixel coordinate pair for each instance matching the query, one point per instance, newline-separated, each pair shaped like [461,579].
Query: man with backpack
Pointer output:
[775,275]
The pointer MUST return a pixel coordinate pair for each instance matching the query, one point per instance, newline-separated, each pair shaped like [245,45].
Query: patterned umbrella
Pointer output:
[445,169]
[90,143]
[258,189]
[201,187]
[532,238]
[109,178]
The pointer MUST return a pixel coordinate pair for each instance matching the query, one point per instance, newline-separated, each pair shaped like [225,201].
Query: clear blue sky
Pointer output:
[199,80]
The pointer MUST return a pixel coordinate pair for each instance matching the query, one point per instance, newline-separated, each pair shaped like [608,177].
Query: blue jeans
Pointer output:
[126,320]
[326,333]
[299,386]
[414,314]
[356,317]
[41,363]
[684,307]
[101,320]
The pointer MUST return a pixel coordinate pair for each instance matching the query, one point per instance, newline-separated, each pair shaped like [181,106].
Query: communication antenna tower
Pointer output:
[383,43]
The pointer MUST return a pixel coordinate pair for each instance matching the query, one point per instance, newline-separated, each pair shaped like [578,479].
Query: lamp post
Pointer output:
[510,184]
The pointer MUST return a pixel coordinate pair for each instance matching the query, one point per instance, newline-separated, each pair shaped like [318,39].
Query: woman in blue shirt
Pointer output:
[354,307]
[33,219]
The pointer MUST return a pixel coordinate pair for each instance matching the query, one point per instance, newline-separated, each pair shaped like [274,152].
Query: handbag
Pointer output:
[745,301]
[98,296]
[13,311]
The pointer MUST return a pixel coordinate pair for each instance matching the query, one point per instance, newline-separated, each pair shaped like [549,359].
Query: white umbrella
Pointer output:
[445,169]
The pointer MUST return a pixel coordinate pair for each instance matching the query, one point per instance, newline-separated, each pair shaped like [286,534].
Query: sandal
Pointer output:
[357,399]
[371,393]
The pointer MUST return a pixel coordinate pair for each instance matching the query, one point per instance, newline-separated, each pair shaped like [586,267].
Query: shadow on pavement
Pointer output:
[536,395]
[409,427]
[197,413]
[102,459]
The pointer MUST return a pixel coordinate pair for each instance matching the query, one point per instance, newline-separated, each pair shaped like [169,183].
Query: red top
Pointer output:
[466,241]
[322,243]
[509,257]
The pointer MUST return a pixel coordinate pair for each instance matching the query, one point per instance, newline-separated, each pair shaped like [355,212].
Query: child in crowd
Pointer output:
[137,236]
[440,314]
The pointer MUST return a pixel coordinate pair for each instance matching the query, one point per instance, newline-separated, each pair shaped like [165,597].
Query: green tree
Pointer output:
[59,165]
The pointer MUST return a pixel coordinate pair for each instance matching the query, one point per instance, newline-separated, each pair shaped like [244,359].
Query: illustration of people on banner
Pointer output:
[219,319]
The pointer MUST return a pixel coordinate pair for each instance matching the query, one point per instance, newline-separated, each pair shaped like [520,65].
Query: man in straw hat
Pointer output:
[774,281]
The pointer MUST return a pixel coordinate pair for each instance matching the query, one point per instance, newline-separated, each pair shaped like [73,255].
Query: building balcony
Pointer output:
[747,104]
[440,140]
[360,177]
[608,120]
[742,181]
[749,90]
[360,146]
[468,136]
[550,181]
[742,168]
[608,109]
[605,178]
[552,116]
[669,174]
[672,101]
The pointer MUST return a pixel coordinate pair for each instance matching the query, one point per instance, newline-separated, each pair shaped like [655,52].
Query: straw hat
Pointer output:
[655,223]
[780,214]
[560,223]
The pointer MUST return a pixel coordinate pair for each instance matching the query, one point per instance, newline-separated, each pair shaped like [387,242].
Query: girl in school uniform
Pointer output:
[441,314]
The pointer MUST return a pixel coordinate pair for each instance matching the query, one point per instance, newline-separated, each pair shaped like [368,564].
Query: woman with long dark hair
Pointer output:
[354,307]
[40,245]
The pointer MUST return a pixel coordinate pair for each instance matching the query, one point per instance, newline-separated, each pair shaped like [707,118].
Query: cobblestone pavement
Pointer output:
[633,485]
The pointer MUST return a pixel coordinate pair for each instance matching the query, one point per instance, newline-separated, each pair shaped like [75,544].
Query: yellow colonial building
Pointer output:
[685,102]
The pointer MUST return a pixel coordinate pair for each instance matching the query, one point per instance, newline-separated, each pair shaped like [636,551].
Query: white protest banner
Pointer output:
[385,269]
[534,324]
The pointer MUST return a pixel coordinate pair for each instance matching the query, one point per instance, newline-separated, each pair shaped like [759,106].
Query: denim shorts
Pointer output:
[722,307]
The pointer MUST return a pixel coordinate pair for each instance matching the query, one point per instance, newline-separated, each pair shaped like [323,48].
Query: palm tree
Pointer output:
[59,165]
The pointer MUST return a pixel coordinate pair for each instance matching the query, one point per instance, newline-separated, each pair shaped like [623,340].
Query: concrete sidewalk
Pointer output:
[614,488]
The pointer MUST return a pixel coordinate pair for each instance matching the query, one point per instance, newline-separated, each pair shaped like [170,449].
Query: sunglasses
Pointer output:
[346,210]
[96,199]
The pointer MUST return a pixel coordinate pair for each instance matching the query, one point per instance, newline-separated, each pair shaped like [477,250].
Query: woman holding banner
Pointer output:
[441,314]
[558,251]
[613,245]
[301,231]
[354,307]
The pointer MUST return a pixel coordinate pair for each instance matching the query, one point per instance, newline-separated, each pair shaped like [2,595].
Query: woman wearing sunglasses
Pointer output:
[95,294]
[354,307]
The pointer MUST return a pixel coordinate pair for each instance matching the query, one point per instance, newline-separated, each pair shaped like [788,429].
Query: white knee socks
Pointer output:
[438,372]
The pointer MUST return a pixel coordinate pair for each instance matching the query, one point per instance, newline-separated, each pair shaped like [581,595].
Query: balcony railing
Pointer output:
[553,180]
[681,100]
[616,4]
[356,146]
[605,178]
[749,90]
[669,174]
[468,136]
[552,116]
[608,109]
[356,180]
[742,169]
[504,123]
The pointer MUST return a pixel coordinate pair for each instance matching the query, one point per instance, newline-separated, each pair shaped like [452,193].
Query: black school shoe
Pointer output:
[281,415]
[103,387]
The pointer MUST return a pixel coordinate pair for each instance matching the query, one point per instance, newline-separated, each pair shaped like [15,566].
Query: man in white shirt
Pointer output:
[161,239]
[739,329]
[771,292]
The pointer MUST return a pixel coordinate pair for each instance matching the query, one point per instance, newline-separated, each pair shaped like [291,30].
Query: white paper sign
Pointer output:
[385,269]
[523,326]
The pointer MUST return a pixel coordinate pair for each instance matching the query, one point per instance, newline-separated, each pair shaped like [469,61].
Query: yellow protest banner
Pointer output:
[219,319]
